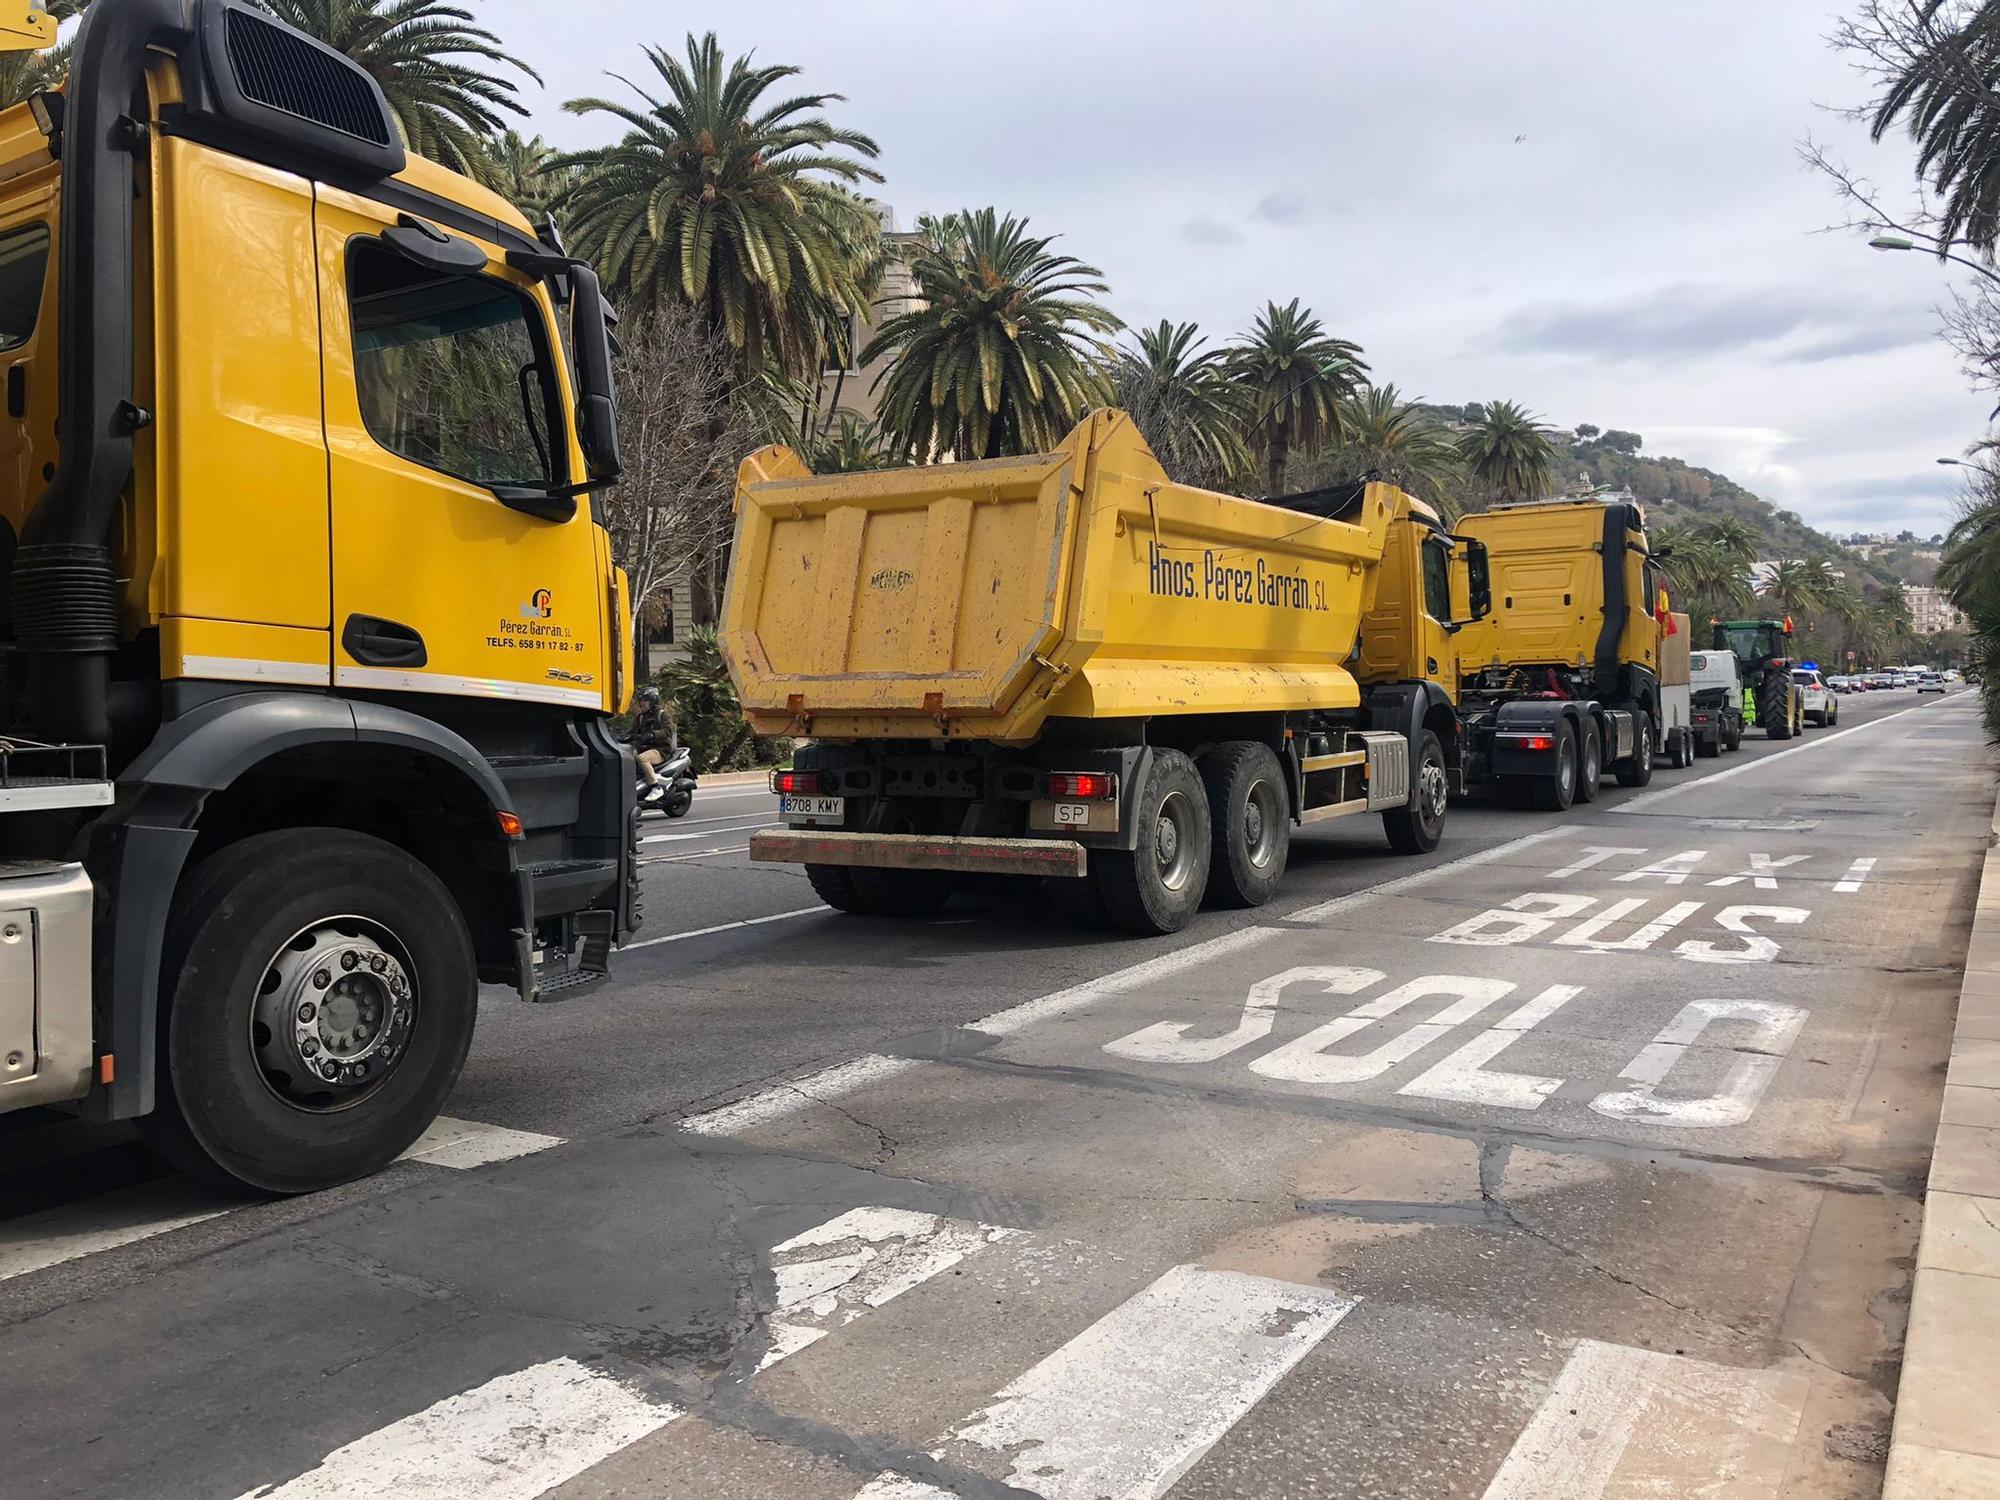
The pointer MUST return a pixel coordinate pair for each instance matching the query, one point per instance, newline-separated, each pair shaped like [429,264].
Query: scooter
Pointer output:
[673,793]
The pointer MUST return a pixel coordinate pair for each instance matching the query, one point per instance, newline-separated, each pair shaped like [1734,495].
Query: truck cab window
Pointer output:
[1437,580]
[453,372]
[24,260]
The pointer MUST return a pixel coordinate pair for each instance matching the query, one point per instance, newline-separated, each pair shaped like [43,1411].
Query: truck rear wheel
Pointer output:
[1733,739]
[1555,791]
[1590,764]
[1708,746]
[834,884]
[1637,769]
[902,893]
[1250,823]
[1416,827]
[318,995]
[1156,888]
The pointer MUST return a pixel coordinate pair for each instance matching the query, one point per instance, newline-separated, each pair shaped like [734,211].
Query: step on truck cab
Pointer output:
[299,573]
[1064,665]
[1562,679]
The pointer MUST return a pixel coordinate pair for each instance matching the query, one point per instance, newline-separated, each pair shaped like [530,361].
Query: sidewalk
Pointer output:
[1946,1444]
[737,778]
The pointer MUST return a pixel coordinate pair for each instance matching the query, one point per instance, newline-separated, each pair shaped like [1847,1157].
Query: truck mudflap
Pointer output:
[1063,858]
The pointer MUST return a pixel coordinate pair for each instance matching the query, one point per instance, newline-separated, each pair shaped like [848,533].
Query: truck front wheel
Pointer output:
[1250,822]
[1416,827]
[318,989]
[1156,888]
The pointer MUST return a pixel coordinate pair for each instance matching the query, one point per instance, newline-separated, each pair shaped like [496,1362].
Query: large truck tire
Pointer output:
[902,893]
[1775,706]
[1416,826]
[1733,739]
[1637,768]
[1590,763]
[1555,791]
[1156,888]
[834,884]
[1680,748]
[1250,823]
[318,990]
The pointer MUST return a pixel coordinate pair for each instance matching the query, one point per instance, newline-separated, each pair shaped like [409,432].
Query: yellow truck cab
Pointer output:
[1562,679]
[311,637]
[1065,665]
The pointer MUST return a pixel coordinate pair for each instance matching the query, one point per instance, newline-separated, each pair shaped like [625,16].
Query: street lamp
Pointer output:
[1904,242]
[1891,242]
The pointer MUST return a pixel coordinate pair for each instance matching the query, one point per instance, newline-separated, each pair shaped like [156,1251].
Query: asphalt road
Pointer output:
[1581,1158]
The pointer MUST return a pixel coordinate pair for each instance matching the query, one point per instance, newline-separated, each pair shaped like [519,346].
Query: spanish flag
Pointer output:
[1664,612]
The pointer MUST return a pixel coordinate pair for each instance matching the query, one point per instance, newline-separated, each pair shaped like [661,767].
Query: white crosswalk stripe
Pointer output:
[526,1432]
[1635,1422]
[1133,1402]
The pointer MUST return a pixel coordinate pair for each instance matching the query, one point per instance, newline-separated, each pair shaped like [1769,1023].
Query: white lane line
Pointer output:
[522,1434]
[1650,1423]
[831,1275]
[682,937]
[1856,874]
[706,833]
[1647,799]
[1017,1018]
[513,1438]
[787,1098]
[36,1241]
[1132,1403]
[464,1144]
[680,859]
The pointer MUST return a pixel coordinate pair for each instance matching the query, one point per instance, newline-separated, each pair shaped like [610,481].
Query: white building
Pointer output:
[1931,610]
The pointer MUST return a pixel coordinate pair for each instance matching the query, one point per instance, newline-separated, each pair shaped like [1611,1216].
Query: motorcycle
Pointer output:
[673,793]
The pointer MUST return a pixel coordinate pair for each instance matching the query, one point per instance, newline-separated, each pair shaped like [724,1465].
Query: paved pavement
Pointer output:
[1582,1158]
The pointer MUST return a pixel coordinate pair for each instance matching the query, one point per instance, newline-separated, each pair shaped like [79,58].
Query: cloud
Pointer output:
[1280,206]
[1204,230]
[1692,319]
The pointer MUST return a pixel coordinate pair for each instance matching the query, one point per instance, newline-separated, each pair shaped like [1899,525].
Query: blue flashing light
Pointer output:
[1809,666]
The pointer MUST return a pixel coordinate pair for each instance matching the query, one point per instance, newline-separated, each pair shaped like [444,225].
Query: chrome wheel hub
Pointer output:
[1173,841]
[333,1014]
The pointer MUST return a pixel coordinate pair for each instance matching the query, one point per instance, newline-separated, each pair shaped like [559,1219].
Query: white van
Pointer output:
[1715,681]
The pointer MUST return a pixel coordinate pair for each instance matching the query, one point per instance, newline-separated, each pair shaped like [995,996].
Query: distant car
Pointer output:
[1819,705]
[1841,684]
[1930,682]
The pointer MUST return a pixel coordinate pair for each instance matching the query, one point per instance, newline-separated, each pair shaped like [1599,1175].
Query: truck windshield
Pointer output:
[1749,642]
[452,372]
[24,260]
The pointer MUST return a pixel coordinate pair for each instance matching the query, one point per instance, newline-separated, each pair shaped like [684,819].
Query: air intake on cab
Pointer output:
[293,92]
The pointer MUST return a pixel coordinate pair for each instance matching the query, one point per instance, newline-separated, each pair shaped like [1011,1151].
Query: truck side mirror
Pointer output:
[1478,577]
[597,409]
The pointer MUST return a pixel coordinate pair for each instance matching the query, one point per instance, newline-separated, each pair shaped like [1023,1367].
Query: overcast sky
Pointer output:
[1645,258]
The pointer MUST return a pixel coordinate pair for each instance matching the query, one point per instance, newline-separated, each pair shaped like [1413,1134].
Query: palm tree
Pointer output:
[1508,453]
[1795,588]
[521,170]
[1184,403]
[1707,567]
[998,356]
[850,445]
[1943,64]
[1295,376]
[1383,434]
[23,74]
[722,199]
[427,56]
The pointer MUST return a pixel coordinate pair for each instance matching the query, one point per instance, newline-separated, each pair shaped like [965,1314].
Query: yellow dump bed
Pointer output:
[977,600]
[1557,569]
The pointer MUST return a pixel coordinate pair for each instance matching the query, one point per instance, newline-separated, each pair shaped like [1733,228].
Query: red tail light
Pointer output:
[1529,741]
[796,783]
[1082,786]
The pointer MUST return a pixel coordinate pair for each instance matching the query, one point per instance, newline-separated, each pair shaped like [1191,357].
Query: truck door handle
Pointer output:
[382,643]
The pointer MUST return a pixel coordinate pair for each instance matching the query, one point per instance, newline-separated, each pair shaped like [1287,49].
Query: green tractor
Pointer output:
[1772,700]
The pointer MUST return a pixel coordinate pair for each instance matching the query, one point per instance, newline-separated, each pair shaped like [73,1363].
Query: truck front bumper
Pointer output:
[921,851]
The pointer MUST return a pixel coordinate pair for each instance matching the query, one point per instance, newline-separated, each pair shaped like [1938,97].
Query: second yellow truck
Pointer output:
[1065,665]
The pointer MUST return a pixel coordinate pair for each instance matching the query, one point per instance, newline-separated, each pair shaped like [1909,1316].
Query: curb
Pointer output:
[1946,1439]
[737,778]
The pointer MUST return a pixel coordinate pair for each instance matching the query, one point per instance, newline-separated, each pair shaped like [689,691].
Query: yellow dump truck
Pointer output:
[1562,678]
[310,647]
[1065,665]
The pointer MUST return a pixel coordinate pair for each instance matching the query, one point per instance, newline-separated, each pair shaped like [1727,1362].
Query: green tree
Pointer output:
[26,73]
[1508,454]
[721,199]
[431,62]
[1939,64]
[1621,441]
[1003,351]
[850,445]
[1187,408]
[1707,567]
[1295,376]
[522,170]
[1382,434]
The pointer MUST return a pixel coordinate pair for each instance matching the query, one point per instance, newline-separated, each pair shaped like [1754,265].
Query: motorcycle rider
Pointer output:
[651,736]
